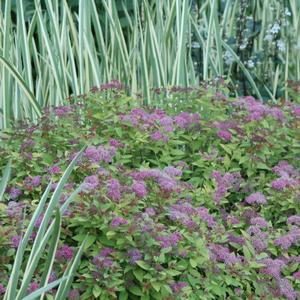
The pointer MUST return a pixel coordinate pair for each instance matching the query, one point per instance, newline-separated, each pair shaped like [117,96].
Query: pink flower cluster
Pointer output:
[257,110]
[225,183]
[100,153]
[289,176]
[170,240]
[158,124]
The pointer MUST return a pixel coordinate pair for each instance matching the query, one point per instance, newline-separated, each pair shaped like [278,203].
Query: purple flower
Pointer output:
[205,216]
[54,170]
[33,287]
[14,193]
[101,262]
[106,251]
[178,286]
[150,211]
[273,267]
[2,289]
[224,135]
[259,244]
[221,253]
[296,275]
[279,184]
[286,241]
[106,153]
[15,209]
[62,111]
[185,120]
[74,295]
[286,289]
[31,182]
[52,276]
[29,143]
[115,143]
[36,181]
[169,241]
[114,190]
[64,253]
[116,222]
[236,239]
[257,197]
[183,213]
[284,168]
[54,186]
[167,184]
[134,255]
[90,182]
[283,182]
[114,84]
[92,153]
[174,172]
[39,220]
[139,188]
[158,136]
[294,220]
[233,220]
[225,183]
[259,221]
[15,240]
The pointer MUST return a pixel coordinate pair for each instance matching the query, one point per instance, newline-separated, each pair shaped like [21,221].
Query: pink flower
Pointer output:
[257,197]
[224,135]
[90,182]
[118,221]
[74,295]
[139,188]
[2,289]
[54,170]
[64,253]
[114,190]
[259,221]
[15,240]
[33,287]
[158,136]
[14,193]
[294,220]
[296,275]
[178,286]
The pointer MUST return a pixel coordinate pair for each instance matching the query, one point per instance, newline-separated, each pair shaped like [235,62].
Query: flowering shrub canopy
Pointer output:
[198,200]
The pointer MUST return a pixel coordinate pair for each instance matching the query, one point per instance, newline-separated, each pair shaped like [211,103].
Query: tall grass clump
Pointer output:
[53,49]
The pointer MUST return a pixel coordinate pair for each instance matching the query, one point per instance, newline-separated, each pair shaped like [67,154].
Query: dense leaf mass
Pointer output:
[198,200]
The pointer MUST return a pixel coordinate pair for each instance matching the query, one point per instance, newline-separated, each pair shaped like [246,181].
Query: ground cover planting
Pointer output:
[196,197]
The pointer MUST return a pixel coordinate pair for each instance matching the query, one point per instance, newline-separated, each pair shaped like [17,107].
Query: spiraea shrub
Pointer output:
[198,199]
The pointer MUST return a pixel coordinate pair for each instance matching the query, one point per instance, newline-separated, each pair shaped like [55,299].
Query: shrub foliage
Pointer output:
[195,200]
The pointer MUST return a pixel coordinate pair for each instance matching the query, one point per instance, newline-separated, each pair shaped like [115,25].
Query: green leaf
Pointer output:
[193,263]
[89,241]
[143,265]
[173,272]
[247,253]
[256,265]
[123,295]
[96,291]
[136,290]
[156,285]
[139,274]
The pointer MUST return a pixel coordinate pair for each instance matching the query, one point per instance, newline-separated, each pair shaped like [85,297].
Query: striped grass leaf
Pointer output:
[69,273]
[12,70]
[243,68]
[5,178]
[34,295]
